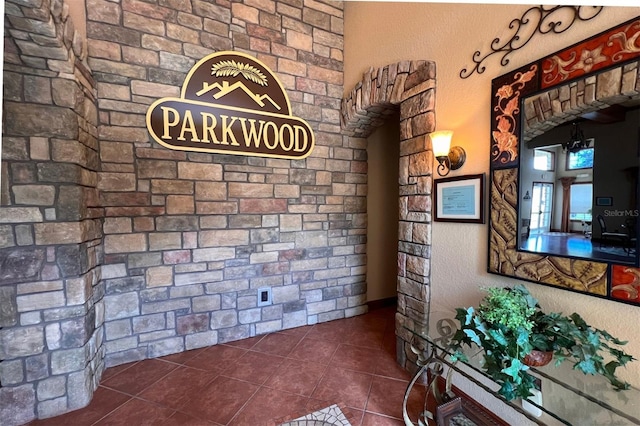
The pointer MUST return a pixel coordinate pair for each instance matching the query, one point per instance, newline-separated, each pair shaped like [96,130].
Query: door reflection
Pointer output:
[541,207]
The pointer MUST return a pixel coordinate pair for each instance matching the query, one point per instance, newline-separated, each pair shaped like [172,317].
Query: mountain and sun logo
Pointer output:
[231,103]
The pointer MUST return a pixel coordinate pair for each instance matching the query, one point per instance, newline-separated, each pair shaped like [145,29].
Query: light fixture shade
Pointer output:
[441,142]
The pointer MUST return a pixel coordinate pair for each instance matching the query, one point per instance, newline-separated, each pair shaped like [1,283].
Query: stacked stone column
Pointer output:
[50,224]
[411,87]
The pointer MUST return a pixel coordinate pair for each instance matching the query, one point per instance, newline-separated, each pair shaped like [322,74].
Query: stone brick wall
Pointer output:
[116,249]
[190,237]
[569,101]
[51,311]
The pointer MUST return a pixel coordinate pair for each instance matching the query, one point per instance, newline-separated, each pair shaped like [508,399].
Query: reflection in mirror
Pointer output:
[583,83]
[583,179]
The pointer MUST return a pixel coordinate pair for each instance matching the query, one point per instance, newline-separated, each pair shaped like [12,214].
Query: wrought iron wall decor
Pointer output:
[538,19]
[616,49]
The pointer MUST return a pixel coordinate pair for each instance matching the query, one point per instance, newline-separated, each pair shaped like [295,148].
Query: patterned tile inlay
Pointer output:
[330,416]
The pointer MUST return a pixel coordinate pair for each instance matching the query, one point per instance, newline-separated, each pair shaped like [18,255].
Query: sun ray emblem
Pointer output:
[232,69]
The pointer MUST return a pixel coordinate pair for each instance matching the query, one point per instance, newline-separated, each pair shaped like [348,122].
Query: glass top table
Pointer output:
[568,396]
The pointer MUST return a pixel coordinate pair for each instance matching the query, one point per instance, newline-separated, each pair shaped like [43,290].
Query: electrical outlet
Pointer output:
[264,296]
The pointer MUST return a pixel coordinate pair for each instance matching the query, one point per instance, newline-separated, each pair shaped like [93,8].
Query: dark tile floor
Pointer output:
[261,381]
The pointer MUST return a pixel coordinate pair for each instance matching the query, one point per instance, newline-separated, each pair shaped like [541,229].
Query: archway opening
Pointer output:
[409,88]
[383,156]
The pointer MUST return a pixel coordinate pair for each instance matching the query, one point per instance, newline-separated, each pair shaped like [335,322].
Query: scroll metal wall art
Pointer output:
[537,19]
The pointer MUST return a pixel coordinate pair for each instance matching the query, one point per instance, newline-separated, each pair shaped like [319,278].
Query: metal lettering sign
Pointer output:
[231,103]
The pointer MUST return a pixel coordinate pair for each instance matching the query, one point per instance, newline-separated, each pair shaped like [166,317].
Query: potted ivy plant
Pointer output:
[509,327]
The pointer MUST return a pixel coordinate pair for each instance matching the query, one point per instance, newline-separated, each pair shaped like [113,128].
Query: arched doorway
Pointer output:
[407,86]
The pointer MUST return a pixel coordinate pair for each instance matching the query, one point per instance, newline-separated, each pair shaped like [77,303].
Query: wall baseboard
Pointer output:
[382,303]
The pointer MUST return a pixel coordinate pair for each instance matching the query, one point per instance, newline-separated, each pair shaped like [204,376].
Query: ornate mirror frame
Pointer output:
[614,53]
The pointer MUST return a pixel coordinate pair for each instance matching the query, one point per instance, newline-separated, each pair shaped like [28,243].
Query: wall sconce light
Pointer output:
[448,158]
[526,196]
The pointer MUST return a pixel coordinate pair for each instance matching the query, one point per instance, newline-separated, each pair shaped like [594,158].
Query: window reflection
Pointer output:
[570,185]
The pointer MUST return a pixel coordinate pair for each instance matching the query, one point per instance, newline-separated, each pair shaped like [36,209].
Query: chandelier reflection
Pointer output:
[577,141]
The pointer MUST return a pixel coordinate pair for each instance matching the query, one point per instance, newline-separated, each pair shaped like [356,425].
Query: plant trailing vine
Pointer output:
[509,324]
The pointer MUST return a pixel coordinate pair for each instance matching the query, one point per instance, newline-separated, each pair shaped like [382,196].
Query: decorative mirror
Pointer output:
[565,141]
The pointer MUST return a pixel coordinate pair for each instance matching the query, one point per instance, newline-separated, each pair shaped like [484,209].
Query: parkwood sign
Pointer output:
[231,103]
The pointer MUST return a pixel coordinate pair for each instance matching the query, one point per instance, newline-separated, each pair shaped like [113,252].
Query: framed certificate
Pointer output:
[459,199]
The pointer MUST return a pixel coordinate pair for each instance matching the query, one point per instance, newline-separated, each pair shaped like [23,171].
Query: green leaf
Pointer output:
[577,319]
[611,366]
[528,383]
[498,336]
[514,369]
[625,359]
[531,301]
[540,341]
[587,366]
[461,314]
[593,339]
[620,385]
[606,335]
[580,352]
[522,337]
[459,356]
[508,391]
[473,336]
[480,325]
[469,316]
[617,341]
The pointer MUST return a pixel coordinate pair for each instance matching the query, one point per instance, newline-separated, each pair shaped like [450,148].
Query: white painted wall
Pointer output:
[381,33]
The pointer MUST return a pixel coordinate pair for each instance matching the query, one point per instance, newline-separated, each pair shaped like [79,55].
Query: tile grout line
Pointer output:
[246,402]
[142,390]
[325,336]
[116,408]
[264,385]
